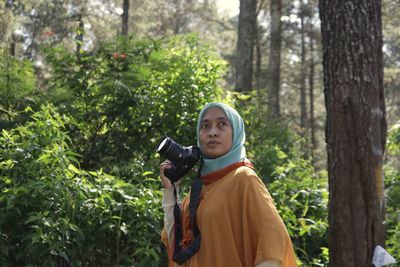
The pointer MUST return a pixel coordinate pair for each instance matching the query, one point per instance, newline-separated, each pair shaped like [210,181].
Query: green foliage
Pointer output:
[17,82]
[392,178]
[129,94]
[54,214]
[116,104]
[301,196]
[394,140]
[268,143]
[392,189]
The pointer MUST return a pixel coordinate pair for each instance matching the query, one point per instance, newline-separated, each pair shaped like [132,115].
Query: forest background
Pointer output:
[88,88]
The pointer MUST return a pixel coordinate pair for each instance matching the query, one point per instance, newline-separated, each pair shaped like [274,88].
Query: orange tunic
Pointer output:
[239,224]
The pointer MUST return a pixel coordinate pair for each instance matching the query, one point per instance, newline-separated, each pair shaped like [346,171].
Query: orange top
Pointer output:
[239,223]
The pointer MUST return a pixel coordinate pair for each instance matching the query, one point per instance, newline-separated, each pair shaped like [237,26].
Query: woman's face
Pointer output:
[215,133]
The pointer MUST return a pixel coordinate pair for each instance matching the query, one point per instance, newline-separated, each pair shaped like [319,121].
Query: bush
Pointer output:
[392,178]
[55,214]
[17,84]
[129,94]
[392,190]
[301,196]
[117,103]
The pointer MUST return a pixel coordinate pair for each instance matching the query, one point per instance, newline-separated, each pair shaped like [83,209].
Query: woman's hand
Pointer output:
[166,182]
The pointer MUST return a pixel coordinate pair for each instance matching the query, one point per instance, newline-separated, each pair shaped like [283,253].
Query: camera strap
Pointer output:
[181,255]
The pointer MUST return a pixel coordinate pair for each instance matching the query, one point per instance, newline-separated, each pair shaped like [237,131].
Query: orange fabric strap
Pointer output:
[214,176]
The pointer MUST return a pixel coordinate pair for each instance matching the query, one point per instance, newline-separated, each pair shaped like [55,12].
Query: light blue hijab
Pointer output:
[237,152]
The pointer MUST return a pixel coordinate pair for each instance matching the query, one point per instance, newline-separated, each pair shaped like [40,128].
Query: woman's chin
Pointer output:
[213,154]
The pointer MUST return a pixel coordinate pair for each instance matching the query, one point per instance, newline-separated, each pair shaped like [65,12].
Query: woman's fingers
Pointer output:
[166,182]
[165,165]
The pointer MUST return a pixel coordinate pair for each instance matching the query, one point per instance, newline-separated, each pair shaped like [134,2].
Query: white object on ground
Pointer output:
[382,257]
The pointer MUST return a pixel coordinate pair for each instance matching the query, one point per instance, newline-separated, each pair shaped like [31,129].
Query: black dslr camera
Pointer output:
[182,158]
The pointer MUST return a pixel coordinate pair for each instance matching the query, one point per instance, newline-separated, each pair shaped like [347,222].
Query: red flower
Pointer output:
[123,56]
[115,55]
[47,34]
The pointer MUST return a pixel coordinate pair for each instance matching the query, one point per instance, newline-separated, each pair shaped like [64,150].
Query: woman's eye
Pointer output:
[203,126]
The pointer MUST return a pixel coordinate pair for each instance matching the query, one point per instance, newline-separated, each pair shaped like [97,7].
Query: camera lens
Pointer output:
[182,158]
[165,143]
[171,150]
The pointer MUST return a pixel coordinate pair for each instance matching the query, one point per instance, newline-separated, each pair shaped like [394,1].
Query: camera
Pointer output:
[183,158]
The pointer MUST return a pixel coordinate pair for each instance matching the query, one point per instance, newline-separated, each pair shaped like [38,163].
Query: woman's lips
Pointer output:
[211,143]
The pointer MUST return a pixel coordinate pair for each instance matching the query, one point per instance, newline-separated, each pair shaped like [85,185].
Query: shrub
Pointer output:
[55,214]
[392,190]
[17,83]
[129,94]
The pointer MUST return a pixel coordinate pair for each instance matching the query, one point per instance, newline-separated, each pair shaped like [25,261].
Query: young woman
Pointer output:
[236,216]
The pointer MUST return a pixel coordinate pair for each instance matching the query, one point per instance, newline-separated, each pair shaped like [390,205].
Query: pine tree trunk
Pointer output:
[356,128]
[125,18]
[274,64]
[12,45]
[311,91]
[303,101]
[257,74]
[246,35]
[8,8]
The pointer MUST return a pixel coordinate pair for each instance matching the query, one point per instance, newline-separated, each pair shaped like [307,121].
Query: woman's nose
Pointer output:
[213,132]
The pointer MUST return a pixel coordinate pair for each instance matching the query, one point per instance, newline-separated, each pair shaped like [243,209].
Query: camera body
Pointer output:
[183,158]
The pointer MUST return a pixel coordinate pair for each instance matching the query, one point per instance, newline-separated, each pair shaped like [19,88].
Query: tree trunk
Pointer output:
[125,18]
[303,69]
[244,55]
[356,128]
[274,64]
[257,74]
[12,45]
[311,90]
[8,9]
[183,14]
[79,36]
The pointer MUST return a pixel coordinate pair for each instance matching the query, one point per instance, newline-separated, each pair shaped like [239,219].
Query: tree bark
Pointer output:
[303,69]
[125,18]
[274,64]
[257,74]
[355,128]
[183,14]
[244,55]
[311,91]
[12,45]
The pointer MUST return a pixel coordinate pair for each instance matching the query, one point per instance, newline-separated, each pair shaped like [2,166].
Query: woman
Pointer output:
[236,216]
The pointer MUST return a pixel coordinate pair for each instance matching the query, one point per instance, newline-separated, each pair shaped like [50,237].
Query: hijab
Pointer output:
[237,152]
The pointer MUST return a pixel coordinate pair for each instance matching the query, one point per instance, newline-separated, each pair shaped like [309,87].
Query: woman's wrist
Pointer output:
[166,183]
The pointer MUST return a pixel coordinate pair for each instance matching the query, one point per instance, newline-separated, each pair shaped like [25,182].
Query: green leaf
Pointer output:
[64,256]
[4,250]
[74,169]
[281,155]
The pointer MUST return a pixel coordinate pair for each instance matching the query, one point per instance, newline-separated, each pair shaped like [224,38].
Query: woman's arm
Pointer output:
[268,230]
[269,263]
[168,201]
